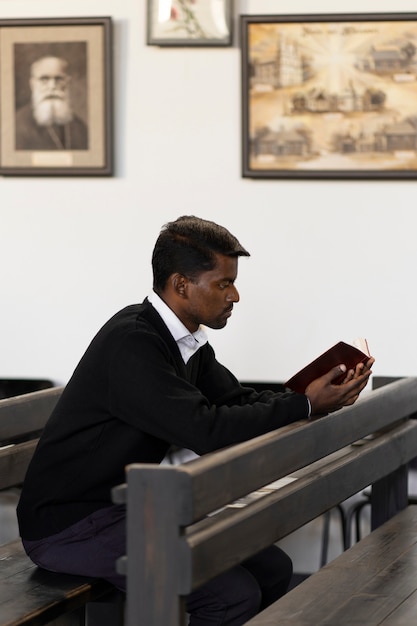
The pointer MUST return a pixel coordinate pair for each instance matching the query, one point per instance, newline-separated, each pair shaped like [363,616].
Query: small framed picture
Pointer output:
[329,96]
[55,86]
[189,23]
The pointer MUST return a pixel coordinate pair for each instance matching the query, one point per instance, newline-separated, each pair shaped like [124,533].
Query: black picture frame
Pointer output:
[64,64]
[188,23]
[329,96]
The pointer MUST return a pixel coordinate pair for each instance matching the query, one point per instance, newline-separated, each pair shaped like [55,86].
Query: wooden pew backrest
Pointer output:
[175,544]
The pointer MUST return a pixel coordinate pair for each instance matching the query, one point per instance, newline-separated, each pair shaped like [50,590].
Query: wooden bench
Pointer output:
[374,582]
[22,419]
[182,530]
[28,594]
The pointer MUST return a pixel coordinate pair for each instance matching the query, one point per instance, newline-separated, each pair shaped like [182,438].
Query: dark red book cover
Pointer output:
[340,353]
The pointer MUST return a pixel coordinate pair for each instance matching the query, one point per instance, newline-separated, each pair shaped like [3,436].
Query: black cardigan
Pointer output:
[131,397]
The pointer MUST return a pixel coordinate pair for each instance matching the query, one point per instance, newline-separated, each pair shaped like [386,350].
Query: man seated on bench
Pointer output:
[149,380]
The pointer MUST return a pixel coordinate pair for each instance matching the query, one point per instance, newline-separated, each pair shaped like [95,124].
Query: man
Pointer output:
[150,379]
[48,122]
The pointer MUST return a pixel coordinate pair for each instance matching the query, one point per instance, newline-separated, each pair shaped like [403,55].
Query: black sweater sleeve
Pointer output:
[202,407]
[130,397]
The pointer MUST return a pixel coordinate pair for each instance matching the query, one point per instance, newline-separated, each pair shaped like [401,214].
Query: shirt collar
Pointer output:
[188,343]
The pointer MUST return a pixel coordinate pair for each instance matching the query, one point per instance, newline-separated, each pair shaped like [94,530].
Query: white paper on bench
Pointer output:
[259,493]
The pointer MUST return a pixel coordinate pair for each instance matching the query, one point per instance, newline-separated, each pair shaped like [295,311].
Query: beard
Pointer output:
[48,110]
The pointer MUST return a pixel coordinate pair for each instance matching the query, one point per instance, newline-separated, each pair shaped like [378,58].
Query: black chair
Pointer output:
[277,387]
[10,387]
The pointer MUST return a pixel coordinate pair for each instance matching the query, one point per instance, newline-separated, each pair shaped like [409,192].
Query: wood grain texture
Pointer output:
[23,415]
[178,540]
[30,595]
[372,583]
[245,467]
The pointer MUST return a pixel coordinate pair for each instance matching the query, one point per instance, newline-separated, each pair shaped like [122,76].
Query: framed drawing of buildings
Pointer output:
[329,96]
[55,95]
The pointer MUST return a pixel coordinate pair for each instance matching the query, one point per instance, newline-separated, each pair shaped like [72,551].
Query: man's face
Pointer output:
[211,297]
[49,79]
[49,83]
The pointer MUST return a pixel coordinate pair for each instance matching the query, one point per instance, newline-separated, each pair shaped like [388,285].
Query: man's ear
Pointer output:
[179,284]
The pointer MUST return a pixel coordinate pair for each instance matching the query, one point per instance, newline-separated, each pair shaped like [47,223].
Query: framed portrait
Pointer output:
[329,96]
[55,97]
[189,22]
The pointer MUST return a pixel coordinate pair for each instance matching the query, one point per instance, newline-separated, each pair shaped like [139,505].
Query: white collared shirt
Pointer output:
[188,343]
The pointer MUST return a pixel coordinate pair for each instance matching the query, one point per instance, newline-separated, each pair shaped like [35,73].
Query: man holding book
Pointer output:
[149,380]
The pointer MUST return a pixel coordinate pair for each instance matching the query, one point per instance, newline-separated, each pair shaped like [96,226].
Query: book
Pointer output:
[349,355]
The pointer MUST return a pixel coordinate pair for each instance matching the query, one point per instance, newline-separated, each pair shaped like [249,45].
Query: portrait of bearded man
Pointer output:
[48,121]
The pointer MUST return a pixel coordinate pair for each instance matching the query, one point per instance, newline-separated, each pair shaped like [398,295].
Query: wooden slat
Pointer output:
[14,461]
[224,542]
[26,414]
[405,614]
[282,452]
[374,582]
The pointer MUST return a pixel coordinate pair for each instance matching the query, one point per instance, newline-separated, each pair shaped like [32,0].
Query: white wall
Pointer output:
[330,260]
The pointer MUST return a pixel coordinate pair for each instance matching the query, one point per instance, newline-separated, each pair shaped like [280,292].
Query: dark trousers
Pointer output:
[92,546]
[239,594]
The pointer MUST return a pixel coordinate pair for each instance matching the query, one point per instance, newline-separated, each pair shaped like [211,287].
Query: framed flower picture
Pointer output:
[189,23]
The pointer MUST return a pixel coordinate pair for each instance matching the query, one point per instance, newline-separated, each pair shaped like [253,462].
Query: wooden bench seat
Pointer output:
[28,594]
[372,583]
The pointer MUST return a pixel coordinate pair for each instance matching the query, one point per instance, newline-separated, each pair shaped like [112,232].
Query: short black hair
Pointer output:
[188,246]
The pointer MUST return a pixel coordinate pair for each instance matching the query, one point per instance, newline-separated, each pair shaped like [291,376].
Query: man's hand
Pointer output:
[325,397]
